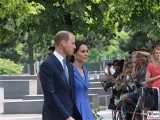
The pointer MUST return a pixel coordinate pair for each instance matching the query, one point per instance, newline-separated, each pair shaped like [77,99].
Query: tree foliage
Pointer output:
[98,22]
[8,67]
[13,14]
[137,15]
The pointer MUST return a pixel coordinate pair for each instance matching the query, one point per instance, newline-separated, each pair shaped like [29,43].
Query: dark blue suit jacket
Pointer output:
[59,96]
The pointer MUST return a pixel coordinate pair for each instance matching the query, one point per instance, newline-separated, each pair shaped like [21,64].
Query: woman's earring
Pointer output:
[74,56]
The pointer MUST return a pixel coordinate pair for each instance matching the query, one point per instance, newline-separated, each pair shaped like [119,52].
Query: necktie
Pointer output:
[65,70]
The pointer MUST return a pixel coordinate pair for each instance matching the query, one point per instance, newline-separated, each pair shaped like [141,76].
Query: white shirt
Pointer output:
[59,57]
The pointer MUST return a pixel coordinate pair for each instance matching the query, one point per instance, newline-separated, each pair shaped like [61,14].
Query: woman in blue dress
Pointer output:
[81,80]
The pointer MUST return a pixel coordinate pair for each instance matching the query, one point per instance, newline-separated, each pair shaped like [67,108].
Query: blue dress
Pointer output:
[81,88]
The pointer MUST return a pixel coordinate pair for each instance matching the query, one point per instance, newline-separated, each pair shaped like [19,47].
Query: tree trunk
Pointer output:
[30,52]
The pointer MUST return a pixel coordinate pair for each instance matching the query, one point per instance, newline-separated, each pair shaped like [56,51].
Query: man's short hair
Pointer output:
[51,48]
[62,35]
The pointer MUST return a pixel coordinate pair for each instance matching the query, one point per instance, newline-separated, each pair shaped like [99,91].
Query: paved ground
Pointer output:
[20,117]
[107,115]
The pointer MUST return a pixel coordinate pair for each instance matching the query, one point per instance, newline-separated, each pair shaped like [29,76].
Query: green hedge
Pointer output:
[8,67]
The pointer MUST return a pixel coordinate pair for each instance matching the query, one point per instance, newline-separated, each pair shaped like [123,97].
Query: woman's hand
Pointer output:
[134,63]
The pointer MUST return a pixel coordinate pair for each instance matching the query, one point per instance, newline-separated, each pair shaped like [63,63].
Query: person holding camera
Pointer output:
[127,86]
[111,78]
[139,64]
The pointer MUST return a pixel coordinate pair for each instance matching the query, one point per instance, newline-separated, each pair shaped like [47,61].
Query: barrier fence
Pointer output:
[117,114]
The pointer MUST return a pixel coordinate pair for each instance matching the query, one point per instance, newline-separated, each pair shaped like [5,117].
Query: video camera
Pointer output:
[107,84]
[131,88]
[120,77]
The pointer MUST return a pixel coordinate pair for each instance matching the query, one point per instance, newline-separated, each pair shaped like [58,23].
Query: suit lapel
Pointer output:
[78,76]
[60,67]
[86,77]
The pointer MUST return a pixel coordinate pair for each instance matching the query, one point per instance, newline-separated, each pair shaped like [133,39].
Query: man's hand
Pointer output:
[70,118]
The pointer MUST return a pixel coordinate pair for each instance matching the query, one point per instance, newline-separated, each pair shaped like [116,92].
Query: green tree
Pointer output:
[13,16]
[137,15]
[42,27]
[8,67]
[96,21]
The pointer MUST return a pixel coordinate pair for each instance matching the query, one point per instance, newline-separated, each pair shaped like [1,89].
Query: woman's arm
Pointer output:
[144,53]
[117,84]
[149,79]
[134,71]
[124,67]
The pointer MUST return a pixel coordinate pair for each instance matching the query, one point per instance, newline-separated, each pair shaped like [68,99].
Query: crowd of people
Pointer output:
[139,72]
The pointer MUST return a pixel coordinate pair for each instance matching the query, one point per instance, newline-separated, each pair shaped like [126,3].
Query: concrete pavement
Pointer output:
[20,117]
[107,115]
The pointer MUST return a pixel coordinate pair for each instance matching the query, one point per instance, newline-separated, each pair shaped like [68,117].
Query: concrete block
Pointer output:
[93,76]
[99,91]
[102,76]
[33,97]
[1,100]
[32,87]
[23,107]
[95,84]
[96,80]
[94,100]
[15,89]
[17,77]
[104,100]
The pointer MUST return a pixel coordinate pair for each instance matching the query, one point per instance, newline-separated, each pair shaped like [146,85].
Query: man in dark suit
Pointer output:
[57,84]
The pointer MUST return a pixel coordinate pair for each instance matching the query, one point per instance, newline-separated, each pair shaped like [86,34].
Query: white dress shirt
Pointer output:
[59,57]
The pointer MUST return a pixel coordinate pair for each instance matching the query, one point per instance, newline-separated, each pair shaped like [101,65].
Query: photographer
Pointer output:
[111,78]
[127,86]
[117,69]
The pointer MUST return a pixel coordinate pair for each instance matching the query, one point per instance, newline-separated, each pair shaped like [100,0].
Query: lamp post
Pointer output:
[103,63]
[119,56]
